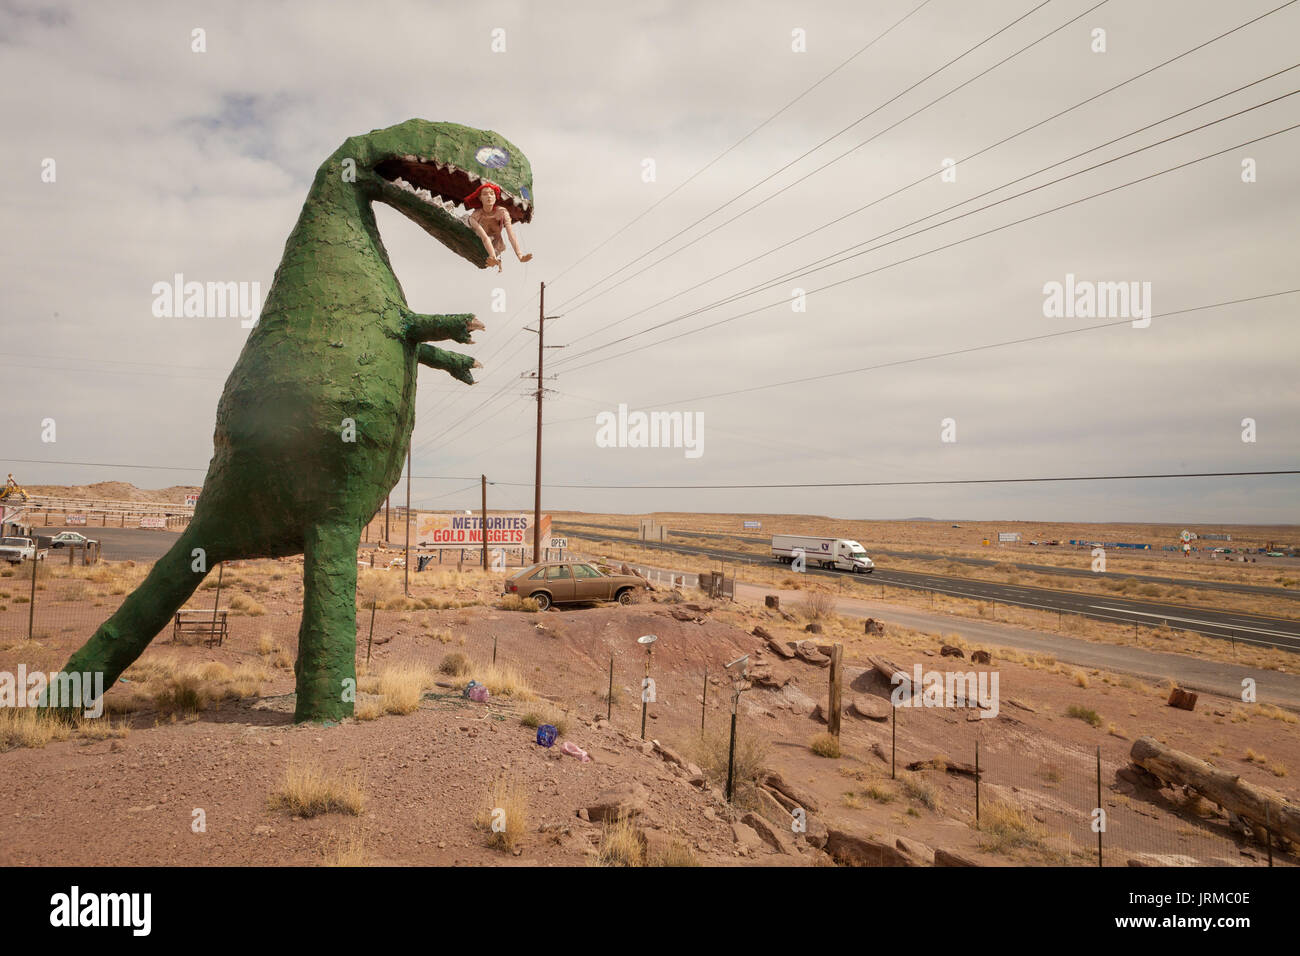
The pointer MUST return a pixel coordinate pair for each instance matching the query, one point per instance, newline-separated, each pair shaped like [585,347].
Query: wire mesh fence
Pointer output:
[1025,794]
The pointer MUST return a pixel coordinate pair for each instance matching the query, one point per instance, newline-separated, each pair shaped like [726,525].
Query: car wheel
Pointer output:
[543,601]
[625,597]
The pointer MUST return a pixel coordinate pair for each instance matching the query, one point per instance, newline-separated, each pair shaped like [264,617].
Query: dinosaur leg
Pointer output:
[327,639]
[437,328]
[147,610]
[454,363]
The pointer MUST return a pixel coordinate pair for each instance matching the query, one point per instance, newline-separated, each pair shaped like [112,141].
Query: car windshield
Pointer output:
[855,548]
[14,541]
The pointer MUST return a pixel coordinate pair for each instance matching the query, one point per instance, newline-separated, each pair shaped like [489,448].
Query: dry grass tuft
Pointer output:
[505,814]
[401,686]
[709,753]
[308,790]
[621,844]
[825,745]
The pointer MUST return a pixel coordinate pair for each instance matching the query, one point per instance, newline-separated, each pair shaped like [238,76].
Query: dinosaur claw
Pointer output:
[477,364]
[475,325]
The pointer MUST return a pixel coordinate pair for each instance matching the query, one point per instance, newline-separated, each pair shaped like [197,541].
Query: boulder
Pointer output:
[1161,859]
[981,657]
[807,652]
[872,626]
[813,628]
[773,809]
[773,601]
[1182,699]
[801,797]
[853,849]
[815,834]
[949,650]
[746,836]
[776,837]
[626,800]
[921,854]
[668,754]
[870,708]
[948,858]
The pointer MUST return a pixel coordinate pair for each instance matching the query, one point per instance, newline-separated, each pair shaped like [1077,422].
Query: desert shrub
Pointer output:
[504,814]
[455,664]
[309,790]
[825,745]
[1086,714]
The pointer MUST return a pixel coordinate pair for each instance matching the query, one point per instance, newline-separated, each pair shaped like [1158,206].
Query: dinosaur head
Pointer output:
[427,170]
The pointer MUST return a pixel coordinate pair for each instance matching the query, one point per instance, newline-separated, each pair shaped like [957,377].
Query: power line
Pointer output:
[742,139]
[924,481]
[965,159]
[861,119]
[940,248]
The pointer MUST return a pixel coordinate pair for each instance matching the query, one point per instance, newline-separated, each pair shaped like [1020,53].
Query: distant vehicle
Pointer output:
[561,582]
[15,550]
[840,553]
[67,539]
[1276,554]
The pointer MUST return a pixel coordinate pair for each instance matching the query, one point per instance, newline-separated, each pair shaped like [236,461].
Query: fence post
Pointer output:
[893,743]
[370,640]
[704,700]
[977,785]
[221,569]
[731,757]
[609,700]
[494,650]
[1100,828]
[835,696]
[31,605]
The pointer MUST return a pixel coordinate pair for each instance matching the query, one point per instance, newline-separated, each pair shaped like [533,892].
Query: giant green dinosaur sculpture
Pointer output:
[334,355]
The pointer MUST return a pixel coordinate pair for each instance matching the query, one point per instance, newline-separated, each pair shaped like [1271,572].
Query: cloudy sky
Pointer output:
[173,161]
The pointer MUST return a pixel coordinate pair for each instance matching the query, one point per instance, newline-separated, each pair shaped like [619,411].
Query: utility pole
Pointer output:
[541,351]
[387,501]
[484,520]
[537,483]
[406,584]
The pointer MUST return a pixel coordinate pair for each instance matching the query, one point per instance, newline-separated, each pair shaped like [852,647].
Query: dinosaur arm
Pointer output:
[453,363]
[436,328]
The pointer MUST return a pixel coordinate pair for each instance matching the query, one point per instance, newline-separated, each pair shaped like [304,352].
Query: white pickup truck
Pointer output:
[840,553]
[15,550]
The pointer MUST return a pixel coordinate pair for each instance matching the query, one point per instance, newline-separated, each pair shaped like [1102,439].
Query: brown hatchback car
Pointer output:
[558,582]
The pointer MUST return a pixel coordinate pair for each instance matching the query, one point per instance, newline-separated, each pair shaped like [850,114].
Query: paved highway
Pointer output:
[1081,572]
[1252,628]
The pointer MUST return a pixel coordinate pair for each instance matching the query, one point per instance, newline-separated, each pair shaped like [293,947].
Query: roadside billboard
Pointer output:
[466,531]
[753,525]
[1008,536]
[75,519]
[153,521]
[191,499]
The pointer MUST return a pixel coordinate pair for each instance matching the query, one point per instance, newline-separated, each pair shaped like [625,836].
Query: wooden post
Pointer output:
[704,700]
[836,690]
[371,639]
[537,478]
[893,743]
[406,562]
[977,785]
[387,503]
[484,528]
[609,701]
[31,605]
[221,569]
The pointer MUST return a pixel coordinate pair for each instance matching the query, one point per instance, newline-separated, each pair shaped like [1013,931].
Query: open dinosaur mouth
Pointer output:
[445,185]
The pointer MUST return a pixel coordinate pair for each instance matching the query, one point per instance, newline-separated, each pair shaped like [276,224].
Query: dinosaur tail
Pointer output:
[146,611]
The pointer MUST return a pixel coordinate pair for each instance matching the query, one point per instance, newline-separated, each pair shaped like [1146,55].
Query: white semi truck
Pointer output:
[840,553]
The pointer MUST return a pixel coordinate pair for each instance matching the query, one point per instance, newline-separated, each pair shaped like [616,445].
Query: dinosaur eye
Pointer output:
[493,157]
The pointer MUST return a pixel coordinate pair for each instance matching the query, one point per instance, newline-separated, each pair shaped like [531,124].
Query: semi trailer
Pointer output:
[842,554]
